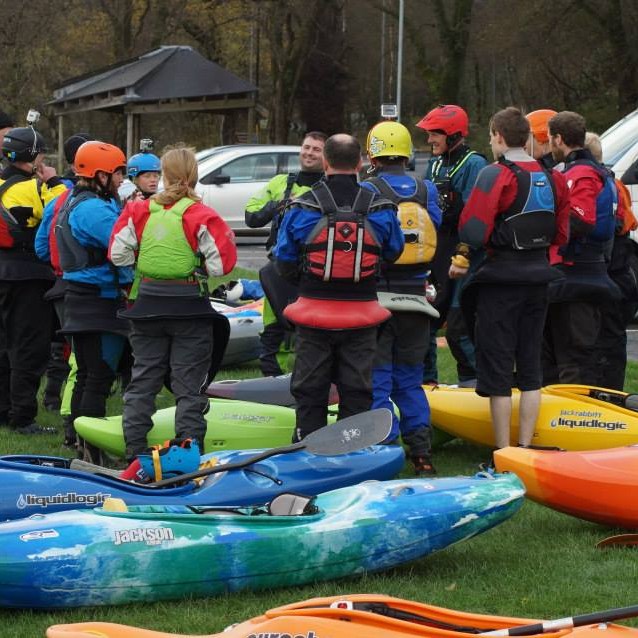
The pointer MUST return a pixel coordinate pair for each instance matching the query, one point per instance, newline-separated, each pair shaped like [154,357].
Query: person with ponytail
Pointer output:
[176,243]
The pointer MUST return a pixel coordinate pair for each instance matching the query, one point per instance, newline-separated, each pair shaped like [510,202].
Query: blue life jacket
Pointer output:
[530,222]
[606,202]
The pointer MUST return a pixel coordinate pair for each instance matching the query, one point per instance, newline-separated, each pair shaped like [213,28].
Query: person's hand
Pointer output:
[44,172]
[457,272]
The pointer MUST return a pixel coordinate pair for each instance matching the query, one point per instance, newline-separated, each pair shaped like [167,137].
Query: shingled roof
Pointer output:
[169,74]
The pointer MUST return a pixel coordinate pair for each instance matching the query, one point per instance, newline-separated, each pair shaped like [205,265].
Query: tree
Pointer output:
[291,31]
[616,20]
[323,83]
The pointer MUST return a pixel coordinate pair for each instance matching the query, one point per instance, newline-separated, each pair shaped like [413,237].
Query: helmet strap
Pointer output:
[453,141]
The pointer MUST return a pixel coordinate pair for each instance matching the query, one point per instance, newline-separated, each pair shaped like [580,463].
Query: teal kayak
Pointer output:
[148,553]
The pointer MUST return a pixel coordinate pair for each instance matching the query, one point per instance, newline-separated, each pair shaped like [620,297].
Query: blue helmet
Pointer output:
[143,163]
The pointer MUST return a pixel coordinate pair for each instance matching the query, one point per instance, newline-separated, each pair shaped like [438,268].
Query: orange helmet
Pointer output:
[95,156]
[538,124]
[448,118]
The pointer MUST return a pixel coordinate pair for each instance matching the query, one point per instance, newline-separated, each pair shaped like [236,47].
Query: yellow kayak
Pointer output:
[572,417]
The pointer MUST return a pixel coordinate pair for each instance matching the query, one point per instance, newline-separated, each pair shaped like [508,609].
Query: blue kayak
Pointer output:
[41,484]
[122,554]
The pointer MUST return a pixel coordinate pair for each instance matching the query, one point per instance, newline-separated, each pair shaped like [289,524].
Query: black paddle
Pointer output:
[347,435]
[567,623]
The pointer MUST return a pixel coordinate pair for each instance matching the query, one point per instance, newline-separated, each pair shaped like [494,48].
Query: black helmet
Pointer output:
[71,145]
[22,144]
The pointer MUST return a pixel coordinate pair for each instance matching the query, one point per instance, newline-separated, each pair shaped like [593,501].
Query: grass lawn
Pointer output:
[539,564]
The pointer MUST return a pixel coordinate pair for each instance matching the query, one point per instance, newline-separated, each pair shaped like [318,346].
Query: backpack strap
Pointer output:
[290,182]
[363,201]
[457,167]
[14,179]
[324,199]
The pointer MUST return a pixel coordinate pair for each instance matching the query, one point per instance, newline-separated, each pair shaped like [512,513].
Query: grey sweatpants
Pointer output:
[182,349]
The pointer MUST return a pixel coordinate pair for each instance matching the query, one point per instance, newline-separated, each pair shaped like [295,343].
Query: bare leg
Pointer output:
[529,407]
[501,412]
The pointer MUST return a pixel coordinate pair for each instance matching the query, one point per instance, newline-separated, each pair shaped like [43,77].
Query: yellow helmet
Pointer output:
[389,139]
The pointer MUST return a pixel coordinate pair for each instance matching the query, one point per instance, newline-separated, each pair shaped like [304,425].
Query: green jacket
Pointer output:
[267,204]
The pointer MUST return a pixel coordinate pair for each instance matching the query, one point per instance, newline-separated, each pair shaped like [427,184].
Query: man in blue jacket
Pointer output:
[331,241]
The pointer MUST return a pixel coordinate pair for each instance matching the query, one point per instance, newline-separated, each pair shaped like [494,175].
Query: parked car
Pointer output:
[620,152]
[231,175]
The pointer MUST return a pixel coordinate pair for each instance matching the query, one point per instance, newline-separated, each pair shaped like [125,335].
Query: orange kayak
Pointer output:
[573,417]
[372,616]
[596,485]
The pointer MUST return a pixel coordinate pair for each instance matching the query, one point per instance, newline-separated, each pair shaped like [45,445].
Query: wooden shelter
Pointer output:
[168,79]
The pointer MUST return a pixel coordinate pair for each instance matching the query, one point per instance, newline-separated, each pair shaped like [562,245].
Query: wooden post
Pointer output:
[60,144]
[129,134]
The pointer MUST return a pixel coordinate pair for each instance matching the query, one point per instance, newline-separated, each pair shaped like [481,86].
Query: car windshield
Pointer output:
[618,139]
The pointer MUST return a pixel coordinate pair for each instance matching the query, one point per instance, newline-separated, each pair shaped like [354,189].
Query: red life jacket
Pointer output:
[53,244]
[342,247]
[340,261]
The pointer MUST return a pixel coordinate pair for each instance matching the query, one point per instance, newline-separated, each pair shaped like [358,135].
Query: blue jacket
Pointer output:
[41,243]
[91,223]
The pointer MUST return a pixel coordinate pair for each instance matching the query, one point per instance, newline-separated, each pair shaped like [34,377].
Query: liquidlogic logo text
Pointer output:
[147,535]
[591,420]
[70,498]
[267,634]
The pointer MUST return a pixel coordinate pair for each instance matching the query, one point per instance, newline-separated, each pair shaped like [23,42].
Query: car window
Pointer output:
[252,168]
[289,163]
[617,140]
[612,153]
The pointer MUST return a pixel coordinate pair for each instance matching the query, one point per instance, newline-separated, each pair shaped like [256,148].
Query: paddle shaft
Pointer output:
[217,469]
[567,623]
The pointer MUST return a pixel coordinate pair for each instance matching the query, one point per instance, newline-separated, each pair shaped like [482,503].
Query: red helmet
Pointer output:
[448,118]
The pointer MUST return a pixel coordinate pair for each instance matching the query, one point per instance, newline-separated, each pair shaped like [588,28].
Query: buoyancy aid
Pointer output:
[164,250]
[450,200]
[14,230]
[73,256]
[417,226]
[606,202]
[342,247]
[530,222]
[594,245]
[340,259]
[53,244]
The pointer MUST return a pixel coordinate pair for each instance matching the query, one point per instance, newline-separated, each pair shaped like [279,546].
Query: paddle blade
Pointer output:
[350,434]
[620,540]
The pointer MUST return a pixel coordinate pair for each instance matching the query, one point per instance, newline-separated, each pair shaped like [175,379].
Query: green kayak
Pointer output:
[232,425]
